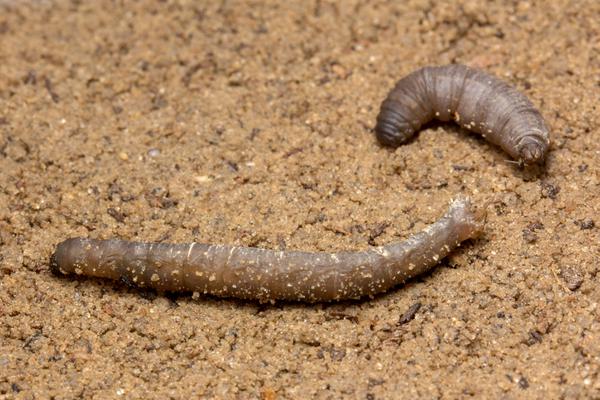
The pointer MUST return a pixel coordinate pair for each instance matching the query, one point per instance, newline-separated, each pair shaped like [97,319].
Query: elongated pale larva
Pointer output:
[266,275]
[474,99]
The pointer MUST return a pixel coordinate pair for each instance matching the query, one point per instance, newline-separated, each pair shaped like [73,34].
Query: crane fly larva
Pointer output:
[266,275]
[474,99]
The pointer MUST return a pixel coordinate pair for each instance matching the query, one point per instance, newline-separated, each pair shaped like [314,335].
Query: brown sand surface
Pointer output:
[250,122]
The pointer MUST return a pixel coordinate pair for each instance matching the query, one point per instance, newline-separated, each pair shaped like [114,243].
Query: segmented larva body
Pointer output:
[266,275]
[474,99]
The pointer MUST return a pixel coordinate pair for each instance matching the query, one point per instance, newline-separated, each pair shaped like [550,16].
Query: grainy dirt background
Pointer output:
[251,123]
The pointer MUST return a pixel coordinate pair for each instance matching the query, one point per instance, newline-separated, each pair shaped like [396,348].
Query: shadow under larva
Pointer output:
[472,98]
[268,275]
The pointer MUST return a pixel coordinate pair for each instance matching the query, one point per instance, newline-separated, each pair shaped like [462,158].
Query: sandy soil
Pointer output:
[251,123]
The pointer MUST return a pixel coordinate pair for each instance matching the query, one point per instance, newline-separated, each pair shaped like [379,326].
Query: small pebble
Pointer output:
[410,313]
[549,190]
[339,71]
[123,156]
[523,383]
[573,277]
[203,179]
[529,236]
[586,223]
[153,152]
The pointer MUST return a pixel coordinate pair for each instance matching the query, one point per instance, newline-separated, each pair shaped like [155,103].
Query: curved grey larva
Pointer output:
[474,99]
[267,275]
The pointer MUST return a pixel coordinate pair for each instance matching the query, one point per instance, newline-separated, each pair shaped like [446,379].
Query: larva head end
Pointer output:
[532,152]
[469,222]
[388,135]
[390,132]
